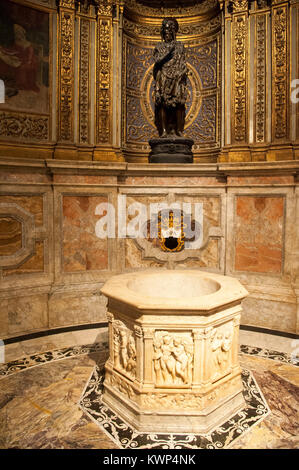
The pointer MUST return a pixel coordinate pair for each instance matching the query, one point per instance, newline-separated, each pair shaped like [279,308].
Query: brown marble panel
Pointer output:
[26,313]
[172,180]
[85,179]
[10,236]
[208,259]
[211,207]
[32,204]
[259,234]
[21,177]
[82,249]
[65,309]
[248,180]
[35,264]
[134,257]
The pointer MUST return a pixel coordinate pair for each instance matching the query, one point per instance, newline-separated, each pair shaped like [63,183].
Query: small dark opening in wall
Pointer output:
[171,243]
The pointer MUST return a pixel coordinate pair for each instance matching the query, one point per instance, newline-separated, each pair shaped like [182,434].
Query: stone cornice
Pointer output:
[289,167]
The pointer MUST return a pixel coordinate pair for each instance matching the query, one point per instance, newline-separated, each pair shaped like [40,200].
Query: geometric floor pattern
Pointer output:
[255,410]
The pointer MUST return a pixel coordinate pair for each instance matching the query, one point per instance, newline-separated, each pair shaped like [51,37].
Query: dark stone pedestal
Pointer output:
[171,150]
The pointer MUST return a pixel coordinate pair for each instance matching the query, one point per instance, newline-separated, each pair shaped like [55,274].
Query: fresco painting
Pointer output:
[24,57]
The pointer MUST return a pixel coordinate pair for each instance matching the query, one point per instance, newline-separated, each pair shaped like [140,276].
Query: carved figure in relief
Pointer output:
[170,75]
[124,351]
[220,345]
[172,358]
[131,362]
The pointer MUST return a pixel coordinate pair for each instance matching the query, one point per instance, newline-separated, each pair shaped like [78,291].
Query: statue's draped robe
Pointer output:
[170,74]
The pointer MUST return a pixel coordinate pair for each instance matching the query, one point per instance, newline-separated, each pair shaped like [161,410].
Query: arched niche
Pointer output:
[200,30]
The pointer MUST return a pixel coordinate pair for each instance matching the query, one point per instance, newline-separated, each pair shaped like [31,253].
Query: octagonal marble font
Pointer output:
[173,349]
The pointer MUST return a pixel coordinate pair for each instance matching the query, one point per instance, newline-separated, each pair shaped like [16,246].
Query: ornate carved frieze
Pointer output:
[280,73]
[203,28]
[103,7]
[104,75]
[121,385]
[200,8]
[176,401]
[66,72]
[239,78]
[24,126]
[67,4]
[238,5]
[84,84]
[260,104]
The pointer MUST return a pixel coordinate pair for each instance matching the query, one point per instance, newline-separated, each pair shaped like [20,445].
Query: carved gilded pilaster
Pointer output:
[239,78]
[65,131]
[260,78]
[297,72]
[84,82]
[104,74]
[280,87]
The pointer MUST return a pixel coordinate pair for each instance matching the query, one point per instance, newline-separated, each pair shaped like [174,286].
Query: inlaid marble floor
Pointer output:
[39,394]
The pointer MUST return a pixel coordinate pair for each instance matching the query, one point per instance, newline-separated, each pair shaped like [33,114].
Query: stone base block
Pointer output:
[171,150]
[174,421]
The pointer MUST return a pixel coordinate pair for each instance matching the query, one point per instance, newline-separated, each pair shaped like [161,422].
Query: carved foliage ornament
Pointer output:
[239,78]
[260,78]
[198,9]
[66,76]
[19,126]
[104,80]
[280,76]
[84,81]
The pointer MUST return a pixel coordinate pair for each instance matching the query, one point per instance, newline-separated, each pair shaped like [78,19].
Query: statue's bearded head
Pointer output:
[169,29]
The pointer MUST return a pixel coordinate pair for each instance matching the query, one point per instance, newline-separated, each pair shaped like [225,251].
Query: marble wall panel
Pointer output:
[24,313]
[32,204]
[10,235]
[85,179]
[66,309]
[82,249]
[24,177]
[172,180]
[259,234]
[134,258]
[269,314]
[209,258]
[252,180]
[34,264]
